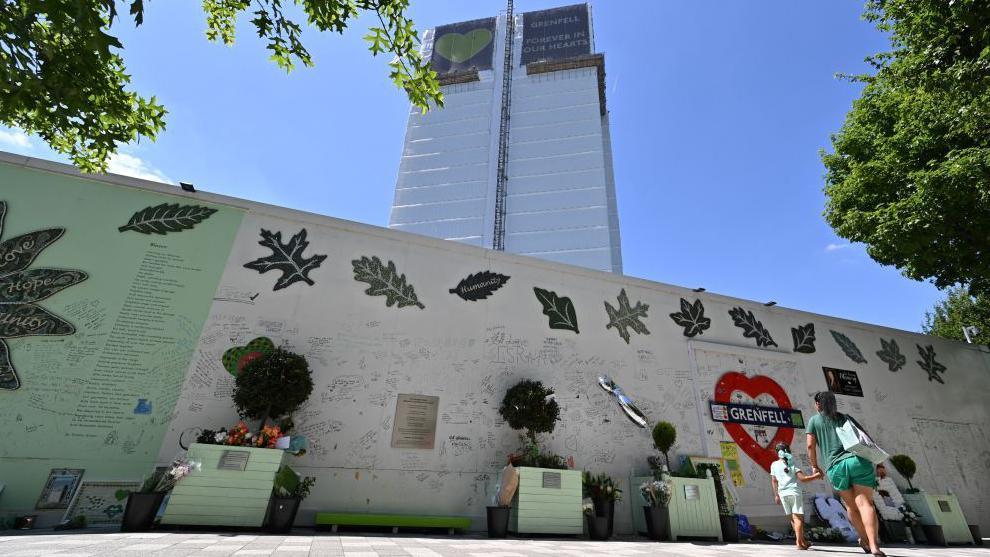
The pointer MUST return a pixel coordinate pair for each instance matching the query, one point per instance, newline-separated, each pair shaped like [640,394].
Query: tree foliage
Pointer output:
[910,172]
[531,406]
[62,76]
[273,385]
[959,309]
[905,466]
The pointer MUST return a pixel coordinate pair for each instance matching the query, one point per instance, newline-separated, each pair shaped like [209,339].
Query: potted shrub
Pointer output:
[498,513]
[727,518]
[549,496]
[289,491]
[664,437]
[240,465]
[603,492]
[906,467]
[142,506]
[657,494]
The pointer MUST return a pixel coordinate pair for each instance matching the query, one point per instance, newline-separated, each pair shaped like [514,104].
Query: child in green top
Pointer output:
[786,480]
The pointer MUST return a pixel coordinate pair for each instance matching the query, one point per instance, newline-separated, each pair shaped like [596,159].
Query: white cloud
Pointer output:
[837,247]
[15,138]
[135,167]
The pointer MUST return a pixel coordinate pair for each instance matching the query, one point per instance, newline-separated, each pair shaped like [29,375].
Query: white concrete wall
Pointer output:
[364,354]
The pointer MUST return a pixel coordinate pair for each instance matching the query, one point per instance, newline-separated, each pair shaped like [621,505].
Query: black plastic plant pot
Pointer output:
[282,513]
[918,533]
[974,529]
[140,512]
[498,522]
[605,508]
[730,528]
[657,523]
[597,527]
[934,534]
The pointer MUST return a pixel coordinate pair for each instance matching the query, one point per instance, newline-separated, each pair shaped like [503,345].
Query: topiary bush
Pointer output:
[530,406]
[664,437]
[906,467]
[274,385]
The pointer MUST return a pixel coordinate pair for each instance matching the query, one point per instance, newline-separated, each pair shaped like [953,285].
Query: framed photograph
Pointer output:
[101,502]
[59,489]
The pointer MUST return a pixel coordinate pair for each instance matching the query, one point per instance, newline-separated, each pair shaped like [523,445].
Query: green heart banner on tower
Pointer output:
[464,46]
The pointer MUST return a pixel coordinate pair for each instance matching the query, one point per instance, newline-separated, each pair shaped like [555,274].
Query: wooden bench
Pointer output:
[395,521]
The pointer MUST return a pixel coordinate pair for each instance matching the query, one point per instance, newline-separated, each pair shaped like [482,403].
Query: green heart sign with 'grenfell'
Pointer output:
[458,47]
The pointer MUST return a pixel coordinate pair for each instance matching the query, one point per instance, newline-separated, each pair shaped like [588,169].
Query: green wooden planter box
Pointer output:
[547,502]
[944,511]
[692,518]
[218,496]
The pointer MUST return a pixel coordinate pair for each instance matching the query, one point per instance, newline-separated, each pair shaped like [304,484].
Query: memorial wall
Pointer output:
[125,323]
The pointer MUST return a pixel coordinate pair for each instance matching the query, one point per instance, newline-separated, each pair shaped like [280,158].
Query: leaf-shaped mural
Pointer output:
[692,318]
[752,328]
[19,252]
[165,218]
[479,285]
[848,346]
[891,355]
[559,309]
[287,258]
[384,280]
[804,338]
[8,376]
[21,288]
[626,317]
[928,363]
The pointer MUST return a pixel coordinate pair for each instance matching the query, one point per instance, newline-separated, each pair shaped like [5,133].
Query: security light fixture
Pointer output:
[770,303]
[186,186]
[970,332]
[699,289]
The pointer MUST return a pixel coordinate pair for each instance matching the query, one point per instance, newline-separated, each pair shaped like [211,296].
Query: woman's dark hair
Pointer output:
[827,401]
[782,447]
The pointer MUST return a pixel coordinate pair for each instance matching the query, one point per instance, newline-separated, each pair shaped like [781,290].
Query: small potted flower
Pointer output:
[603,492]
[289,491]
[142,506]
[657,494]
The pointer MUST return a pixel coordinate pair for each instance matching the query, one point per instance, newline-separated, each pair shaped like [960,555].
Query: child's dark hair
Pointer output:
[787,449]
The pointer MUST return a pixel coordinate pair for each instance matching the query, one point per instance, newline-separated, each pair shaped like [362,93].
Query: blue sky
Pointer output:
[718,111]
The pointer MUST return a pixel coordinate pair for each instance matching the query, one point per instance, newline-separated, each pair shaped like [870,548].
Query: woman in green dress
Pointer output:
[852,476]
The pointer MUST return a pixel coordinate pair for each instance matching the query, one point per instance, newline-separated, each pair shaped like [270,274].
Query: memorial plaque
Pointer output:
[842,381]
[551,480]
[234,460]
[691,492]
[415,425]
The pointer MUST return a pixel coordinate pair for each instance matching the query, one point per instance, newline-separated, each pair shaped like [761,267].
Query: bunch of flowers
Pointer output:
[656,492]
[179,469]
[822,534]
[239,435]
[587,507]
[268,437]
[911,518]
[601,486]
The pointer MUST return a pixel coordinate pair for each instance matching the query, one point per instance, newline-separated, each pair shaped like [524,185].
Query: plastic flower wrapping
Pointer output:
[656,492]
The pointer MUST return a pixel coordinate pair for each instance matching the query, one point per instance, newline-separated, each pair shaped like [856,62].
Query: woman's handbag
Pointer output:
[859,443]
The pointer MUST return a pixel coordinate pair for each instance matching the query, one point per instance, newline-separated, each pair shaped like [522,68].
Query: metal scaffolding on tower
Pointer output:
[502,177]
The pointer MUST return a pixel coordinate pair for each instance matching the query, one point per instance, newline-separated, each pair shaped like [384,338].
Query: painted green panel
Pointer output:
[953,522]
[98,394]
[693,518]
[547,510]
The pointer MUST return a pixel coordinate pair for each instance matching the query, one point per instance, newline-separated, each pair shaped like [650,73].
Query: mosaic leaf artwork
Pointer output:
[559,309]
[235,358]
[804,338]
[891,355]
[479,286]
[287,258]
[751,327]
[384,280]
[848,346]
[20,290]
[928,363]
[626,317]
[692,318]
[165,218]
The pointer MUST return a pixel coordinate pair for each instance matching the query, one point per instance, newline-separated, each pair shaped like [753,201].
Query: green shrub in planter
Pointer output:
[274,385]
[664,437]
[530,406]
[906,467]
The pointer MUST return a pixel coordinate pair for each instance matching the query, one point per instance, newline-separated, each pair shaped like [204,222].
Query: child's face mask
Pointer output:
[782,453]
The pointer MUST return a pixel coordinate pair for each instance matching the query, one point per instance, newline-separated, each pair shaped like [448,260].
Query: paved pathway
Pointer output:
[305,544]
